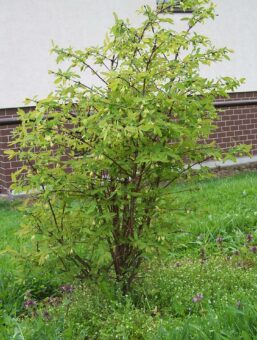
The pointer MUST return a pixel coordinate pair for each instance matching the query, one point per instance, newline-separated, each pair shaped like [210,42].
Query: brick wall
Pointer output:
[237,124]
[238,121]
[8,121]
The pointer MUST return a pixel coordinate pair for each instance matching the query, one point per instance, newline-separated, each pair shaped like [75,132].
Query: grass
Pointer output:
[225,208]
[212,258]
[10,295]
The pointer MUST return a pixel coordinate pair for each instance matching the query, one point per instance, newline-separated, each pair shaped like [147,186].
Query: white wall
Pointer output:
[28,26]
[236,27]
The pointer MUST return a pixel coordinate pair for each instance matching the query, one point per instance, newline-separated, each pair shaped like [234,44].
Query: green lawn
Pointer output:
[10,294]
[204,289]
[224,208]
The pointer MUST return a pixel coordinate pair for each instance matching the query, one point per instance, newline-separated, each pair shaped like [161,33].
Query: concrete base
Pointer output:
[219,164]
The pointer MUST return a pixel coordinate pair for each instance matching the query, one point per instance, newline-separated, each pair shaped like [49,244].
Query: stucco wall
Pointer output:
[28,26]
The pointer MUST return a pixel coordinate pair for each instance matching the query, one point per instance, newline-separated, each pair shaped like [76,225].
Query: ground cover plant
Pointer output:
[189,294]
[107,152]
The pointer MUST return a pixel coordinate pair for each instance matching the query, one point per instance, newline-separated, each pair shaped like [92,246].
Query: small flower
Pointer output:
[249,238]
[54,301]
[67,289]
[46,315]
[197,298]
[219,240]
[105,176]
[29,304]
[253,249]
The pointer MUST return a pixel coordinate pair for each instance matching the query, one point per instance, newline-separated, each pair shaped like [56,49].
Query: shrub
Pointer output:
[99,158]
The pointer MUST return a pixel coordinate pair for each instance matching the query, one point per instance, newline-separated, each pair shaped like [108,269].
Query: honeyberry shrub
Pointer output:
[99,158]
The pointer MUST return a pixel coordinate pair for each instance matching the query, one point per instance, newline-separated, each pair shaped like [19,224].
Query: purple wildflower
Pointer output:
[249,238]
[67,289]
[253,249]
[197,298]
[29,304]
[46,315]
